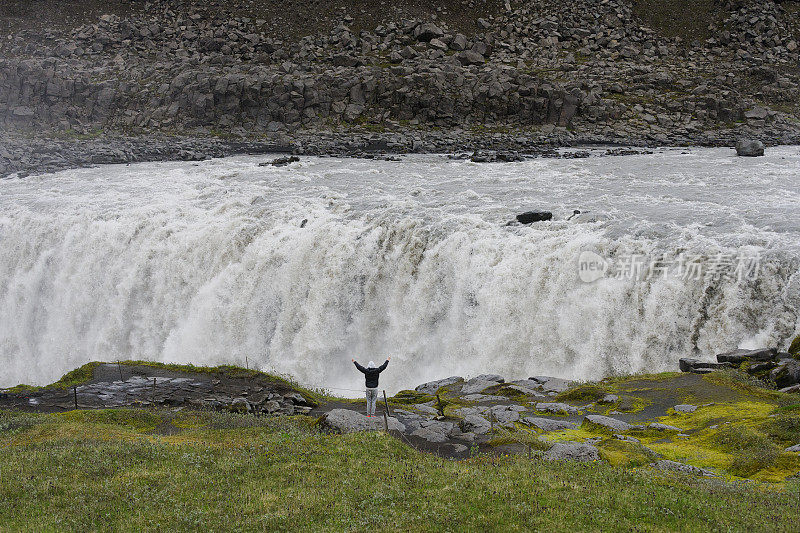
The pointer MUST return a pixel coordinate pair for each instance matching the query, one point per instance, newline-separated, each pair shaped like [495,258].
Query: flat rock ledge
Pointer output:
[347,421]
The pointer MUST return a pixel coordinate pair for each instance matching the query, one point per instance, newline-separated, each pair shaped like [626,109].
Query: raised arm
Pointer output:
[384,365]
[361,368]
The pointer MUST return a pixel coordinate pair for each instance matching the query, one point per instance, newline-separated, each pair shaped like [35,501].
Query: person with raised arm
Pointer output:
[371,373]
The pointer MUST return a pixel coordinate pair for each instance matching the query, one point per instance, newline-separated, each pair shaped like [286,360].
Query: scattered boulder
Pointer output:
[347,421]
[427,32]
[795,448]
[608,399]
[572,451]
[685,408]
[240,405]
[749,148]
[607,423]
[791,389]
[298,399]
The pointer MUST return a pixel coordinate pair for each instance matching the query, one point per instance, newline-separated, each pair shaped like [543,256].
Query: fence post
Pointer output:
[119,367]
[386,402]
[153,398]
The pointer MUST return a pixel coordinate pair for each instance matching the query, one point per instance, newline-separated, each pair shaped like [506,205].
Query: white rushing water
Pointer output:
[207,263]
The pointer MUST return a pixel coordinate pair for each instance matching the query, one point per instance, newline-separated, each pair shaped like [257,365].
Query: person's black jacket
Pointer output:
[371,374]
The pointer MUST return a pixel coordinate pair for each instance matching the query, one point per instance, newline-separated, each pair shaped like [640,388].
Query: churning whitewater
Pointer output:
[212,262]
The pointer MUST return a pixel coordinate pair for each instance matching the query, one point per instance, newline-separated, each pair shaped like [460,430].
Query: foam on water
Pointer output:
[207,263]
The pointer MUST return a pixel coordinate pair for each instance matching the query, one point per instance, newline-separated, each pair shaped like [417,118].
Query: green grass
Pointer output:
[109,472]
[752,451]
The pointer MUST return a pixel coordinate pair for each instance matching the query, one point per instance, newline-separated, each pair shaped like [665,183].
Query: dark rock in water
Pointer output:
[749,148]
[740,356]
[530,217]
[483,157]
[509,157]
[303,223]
[281,161]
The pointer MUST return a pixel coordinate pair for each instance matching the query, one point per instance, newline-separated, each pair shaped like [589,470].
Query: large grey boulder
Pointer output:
[432,387]
[505,415]
[347,421]
[606,422]
[749,148]
[481,383]
[795,448]
[685,408]
[475,424]
[572,451]
[786,374]
[427,31]
[547,424]
[240,405]
[740,356]
[468,57]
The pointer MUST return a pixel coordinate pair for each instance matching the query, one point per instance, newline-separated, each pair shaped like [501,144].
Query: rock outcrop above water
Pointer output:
[749,148]
[768,364]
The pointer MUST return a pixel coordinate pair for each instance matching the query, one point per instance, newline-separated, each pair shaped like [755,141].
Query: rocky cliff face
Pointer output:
[592,69]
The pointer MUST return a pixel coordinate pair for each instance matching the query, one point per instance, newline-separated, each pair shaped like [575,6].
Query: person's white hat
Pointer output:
[372,364]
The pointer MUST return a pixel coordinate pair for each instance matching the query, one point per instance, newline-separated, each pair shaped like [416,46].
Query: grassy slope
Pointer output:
[134,470]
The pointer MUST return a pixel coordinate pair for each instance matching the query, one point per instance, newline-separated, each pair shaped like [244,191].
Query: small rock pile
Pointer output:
[782,368]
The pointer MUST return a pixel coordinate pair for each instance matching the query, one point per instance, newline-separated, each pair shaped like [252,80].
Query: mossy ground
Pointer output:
[113,470]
